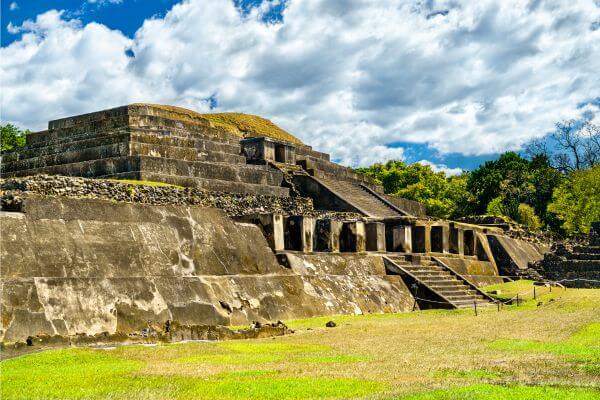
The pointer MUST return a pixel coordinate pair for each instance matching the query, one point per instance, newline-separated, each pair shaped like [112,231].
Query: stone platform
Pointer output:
[88,266]
[144,142]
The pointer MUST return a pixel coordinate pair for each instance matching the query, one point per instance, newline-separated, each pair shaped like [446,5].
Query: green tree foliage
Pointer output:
[501,186]
[526,216]
[496,207]
[444,197]
[12,137]
[576,201]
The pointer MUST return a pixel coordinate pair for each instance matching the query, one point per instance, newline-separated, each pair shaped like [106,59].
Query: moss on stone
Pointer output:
[238,124]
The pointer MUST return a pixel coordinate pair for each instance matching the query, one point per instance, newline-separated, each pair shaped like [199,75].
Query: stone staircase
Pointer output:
[359,197]
[432,278]
[127,143]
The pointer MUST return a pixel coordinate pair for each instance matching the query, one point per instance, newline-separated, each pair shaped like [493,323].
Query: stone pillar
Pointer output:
[446,239]
[398,238]
[375,236]
[327,235]
[299,233]
[418,233]
[469,242]
[352,238]
[440,239]
[271,226]
[461,242]
[427,238]
[453,239]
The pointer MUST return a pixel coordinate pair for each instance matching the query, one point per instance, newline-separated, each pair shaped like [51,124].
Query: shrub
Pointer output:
[496,207]
[526,216]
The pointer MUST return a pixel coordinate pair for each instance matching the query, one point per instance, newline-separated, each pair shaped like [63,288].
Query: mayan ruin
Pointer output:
[299,200]
[247,229]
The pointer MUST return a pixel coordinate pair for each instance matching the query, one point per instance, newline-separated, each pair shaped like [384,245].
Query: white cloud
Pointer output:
[13,6]
[347,77]
[442,168]
[104,1]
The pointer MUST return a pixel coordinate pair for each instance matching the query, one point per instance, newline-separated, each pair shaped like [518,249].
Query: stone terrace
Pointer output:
[144,142]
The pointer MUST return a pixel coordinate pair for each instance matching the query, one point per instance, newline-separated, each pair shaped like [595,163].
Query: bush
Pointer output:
[526,216]
[496,207]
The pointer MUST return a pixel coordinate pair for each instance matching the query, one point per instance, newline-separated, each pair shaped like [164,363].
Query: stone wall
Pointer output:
[231,203]
[513,256]
[413,208]
[89,266]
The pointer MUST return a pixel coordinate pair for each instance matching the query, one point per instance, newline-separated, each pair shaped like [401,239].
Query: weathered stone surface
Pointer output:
[480,273]
[513,256]
[89,266]
[573,265]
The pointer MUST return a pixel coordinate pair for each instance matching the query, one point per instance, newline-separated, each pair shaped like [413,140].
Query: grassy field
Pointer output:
[547,348]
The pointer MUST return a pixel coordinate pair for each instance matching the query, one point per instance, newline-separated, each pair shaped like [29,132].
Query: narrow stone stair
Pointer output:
[360,198]
[448,287]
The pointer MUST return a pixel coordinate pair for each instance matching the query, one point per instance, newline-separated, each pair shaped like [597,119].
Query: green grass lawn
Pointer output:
[547,348]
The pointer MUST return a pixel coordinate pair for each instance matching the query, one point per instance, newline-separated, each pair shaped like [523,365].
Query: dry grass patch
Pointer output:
[530,351]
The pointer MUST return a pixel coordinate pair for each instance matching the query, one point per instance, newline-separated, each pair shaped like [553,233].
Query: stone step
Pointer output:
[205,144]
[184,153]
[255,174]
[85,154]
[91,127]
[572,265]
[104,128]
[114,146]
[587,249]
[360,198]
[424,268]
[430,273]
[458,292]
[213,185]
[583,256]
[66,147]
[444,284]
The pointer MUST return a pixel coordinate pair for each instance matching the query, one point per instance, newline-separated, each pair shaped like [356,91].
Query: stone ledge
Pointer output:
[232,203]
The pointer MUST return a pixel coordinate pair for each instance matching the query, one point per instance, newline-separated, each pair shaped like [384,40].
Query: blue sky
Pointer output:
[446,82]
[126,16]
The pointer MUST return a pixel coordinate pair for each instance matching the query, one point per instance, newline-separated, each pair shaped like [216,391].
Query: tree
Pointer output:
[444,197]
[573,146]
[576,201]
[526,216]
[12,137]
[508,177]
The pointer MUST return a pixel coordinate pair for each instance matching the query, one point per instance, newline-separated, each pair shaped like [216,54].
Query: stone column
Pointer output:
[446,239]
[375,236]
[427,238]
[299,233]
[352,238]
[327,235]
[398,238]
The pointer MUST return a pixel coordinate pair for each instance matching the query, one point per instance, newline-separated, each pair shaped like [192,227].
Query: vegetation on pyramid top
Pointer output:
[239,124]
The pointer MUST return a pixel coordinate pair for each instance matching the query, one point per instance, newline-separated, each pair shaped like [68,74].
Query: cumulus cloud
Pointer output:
[348,77]
[13,6]
[442,168]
